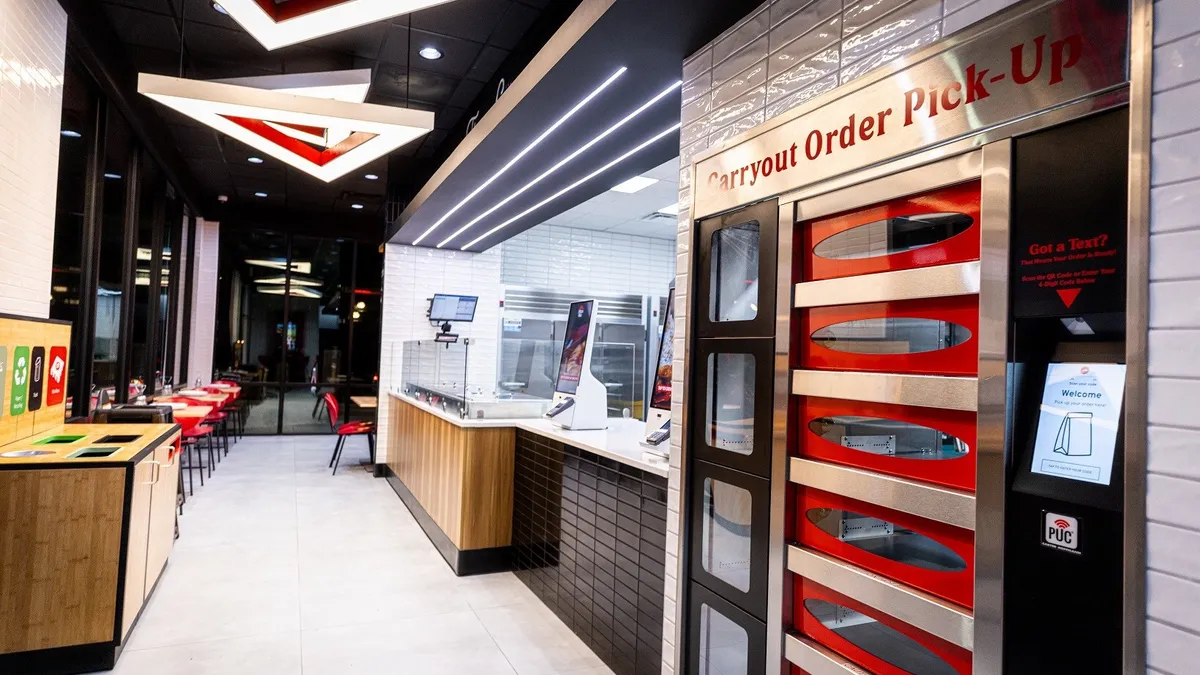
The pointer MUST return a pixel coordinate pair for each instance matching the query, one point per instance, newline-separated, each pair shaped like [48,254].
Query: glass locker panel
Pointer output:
[734,403]
[736,274]
[723,640]
[729,534]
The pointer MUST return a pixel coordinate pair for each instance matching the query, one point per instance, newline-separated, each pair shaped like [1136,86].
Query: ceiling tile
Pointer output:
[468,19]
[145,29]
[513,26]
[466,93]
[487,63]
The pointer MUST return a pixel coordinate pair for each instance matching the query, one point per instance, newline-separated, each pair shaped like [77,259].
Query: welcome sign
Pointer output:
[1049,55]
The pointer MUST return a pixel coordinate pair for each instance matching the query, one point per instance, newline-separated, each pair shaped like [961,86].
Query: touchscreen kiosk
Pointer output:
[658,421]
[1078,421]
[580,399]
[446,308]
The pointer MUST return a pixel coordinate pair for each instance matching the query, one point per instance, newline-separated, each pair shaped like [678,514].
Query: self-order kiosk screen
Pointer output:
[570,368]
[661,397]
[1079,420]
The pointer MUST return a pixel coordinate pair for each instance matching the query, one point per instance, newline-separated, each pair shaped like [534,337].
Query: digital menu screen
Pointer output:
[453,307]
[1079,420]
[660,398]
[570,367]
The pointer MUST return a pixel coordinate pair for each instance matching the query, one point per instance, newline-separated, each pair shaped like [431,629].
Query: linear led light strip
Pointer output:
[569,114]
[570,187]
[584,148]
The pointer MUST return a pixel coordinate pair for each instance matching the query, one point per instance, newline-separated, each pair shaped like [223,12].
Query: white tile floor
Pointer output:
[282,568]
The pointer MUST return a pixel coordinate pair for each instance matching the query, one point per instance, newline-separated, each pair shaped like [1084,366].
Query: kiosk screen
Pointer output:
[570,368]
[1079,420]
[453,307]
[660,398]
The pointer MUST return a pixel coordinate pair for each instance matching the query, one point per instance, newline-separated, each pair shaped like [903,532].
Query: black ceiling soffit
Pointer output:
[650,40]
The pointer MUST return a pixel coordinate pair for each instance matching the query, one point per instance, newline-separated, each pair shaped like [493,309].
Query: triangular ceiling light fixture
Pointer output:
[278,24]
[315,122]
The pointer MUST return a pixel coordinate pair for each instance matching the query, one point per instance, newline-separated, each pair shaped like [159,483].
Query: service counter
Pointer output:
[87,521]
[579,516]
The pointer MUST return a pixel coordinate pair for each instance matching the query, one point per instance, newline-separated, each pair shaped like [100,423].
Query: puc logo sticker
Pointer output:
[1061,532]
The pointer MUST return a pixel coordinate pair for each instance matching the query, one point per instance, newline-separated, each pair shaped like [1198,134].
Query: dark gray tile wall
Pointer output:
[589,539]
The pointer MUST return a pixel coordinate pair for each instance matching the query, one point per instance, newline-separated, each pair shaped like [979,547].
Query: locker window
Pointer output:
[899,335]
[724,645]
[891,438]
[730,406]
[893,235]
[887,540]
[878,639]
[726,533]
[733,294]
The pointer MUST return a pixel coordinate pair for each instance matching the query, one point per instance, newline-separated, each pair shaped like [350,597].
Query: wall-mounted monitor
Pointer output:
[453,308]
[660,395]
[1078,421]
[570,367]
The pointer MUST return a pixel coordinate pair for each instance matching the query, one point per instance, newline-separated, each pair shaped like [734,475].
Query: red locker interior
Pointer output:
[963,247]
[956,473]
[955,585]
[960,360]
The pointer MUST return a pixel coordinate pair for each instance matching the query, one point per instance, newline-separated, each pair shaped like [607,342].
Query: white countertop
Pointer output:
[621,442]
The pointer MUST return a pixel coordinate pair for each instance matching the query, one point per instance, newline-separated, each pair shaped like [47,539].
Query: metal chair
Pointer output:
[346,430]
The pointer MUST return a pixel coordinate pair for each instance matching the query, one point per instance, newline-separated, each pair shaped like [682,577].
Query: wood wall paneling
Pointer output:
[60,544]
[462,476]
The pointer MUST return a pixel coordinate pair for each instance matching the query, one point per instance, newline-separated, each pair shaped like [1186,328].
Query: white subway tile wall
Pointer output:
[204,301]
[785,53]
[1173,485]
[547,256]
[33,44]
[412,276]
[571,259]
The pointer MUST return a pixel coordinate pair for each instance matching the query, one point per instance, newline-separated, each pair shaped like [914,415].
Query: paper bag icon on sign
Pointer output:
[1075,435]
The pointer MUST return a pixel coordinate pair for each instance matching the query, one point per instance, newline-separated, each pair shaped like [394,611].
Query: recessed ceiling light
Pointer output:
[113,176]
[255,160]
[70,133]
[430,53]
[537,141]
[220,10]
[635,184]
[371,176]
[672,210]
[260,194]
[657,137]
[356,207]
[564,161]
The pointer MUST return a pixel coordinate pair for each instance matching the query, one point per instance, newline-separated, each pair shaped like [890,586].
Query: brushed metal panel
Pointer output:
[817,660]
[779,591]
[925,282]
[925,391]
[1137,320]
[940,504]
[992,454]
[932,615]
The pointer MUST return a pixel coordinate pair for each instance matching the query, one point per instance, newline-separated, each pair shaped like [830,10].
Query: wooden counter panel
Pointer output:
[462,477]
[60,545]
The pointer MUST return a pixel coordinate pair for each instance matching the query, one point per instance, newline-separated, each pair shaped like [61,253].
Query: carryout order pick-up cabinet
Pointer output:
[905,296]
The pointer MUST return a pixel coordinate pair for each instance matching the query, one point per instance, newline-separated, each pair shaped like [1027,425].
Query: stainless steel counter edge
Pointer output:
[620,442]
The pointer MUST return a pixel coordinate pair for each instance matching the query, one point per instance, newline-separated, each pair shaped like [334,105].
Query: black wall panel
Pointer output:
[589,539]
